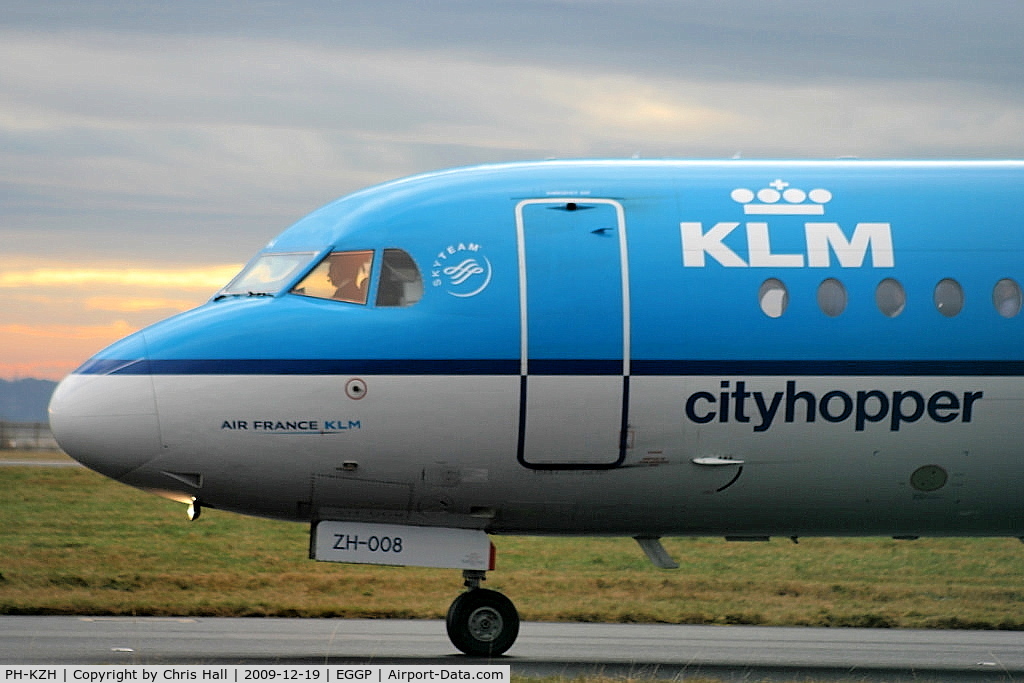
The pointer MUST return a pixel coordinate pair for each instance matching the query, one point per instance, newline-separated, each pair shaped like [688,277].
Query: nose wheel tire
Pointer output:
[482,623]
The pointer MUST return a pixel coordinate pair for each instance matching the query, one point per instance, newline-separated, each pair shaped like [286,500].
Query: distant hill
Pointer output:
[25,400]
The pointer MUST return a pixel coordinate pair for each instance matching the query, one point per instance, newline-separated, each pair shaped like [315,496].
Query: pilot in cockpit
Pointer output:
[350,274]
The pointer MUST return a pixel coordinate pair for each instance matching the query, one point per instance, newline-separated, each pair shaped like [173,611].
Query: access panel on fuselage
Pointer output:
[574,312]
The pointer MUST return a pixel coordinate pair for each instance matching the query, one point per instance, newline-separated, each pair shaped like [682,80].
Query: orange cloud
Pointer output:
[55,315]
[52,351]
[208,279]
[135,304]
[118,329]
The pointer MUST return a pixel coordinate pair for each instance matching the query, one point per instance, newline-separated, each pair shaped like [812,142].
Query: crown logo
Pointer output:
[779,199]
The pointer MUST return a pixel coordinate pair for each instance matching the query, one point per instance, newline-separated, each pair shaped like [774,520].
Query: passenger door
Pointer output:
[574,316]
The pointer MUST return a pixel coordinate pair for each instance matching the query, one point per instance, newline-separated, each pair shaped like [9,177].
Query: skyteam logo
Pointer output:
[819,242]
[461,269]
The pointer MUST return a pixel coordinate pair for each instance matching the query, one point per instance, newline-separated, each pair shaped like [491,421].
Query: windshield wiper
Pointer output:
[236,294]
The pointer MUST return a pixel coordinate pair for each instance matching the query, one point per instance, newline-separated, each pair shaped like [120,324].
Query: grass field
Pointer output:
[73,542]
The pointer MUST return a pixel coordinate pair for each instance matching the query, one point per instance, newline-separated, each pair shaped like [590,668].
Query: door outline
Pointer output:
[524,357]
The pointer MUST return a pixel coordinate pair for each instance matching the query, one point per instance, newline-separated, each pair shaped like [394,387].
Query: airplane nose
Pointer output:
[107,422]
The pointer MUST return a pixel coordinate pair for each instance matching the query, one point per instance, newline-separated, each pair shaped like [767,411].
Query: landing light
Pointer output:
[194,510]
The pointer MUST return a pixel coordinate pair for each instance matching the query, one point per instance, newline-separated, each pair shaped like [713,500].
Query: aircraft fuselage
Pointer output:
[625,348]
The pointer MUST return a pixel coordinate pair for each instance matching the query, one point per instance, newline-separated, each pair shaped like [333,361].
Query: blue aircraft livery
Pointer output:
[641,348]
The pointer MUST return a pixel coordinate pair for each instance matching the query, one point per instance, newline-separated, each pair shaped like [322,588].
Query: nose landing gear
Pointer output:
[481,622]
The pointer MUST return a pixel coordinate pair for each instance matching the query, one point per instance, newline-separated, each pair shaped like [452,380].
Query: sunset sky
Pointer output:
[147,149]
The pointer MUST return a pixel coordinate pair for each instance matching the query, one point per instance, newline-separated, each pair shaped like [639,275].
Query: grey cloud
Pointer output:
[131,124]
[736,39]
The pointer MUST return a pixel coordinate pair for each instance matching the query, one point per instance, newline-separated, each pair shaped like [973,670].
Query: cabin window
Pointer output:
[400,281]
[890,297]
[1006,297]
[832,297]
[267,274]
[949,297]
[773,297]
[341,276]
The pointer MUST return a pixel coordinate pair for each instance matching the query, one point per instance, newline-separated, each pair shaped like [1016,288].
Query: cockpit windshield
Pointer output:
[267,275]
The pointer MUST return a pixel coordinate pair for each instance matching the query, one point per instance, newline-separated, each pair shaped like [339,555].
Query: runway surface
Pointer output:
[730,653]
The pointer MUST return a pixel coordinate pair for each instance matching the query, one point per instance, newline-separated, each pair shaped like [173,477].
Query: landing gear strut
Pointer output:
[481,622]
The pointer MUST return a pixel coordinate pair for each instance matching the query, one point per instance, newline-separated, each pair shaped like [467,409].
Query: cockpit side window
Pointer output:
[400,281]
[341,276]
